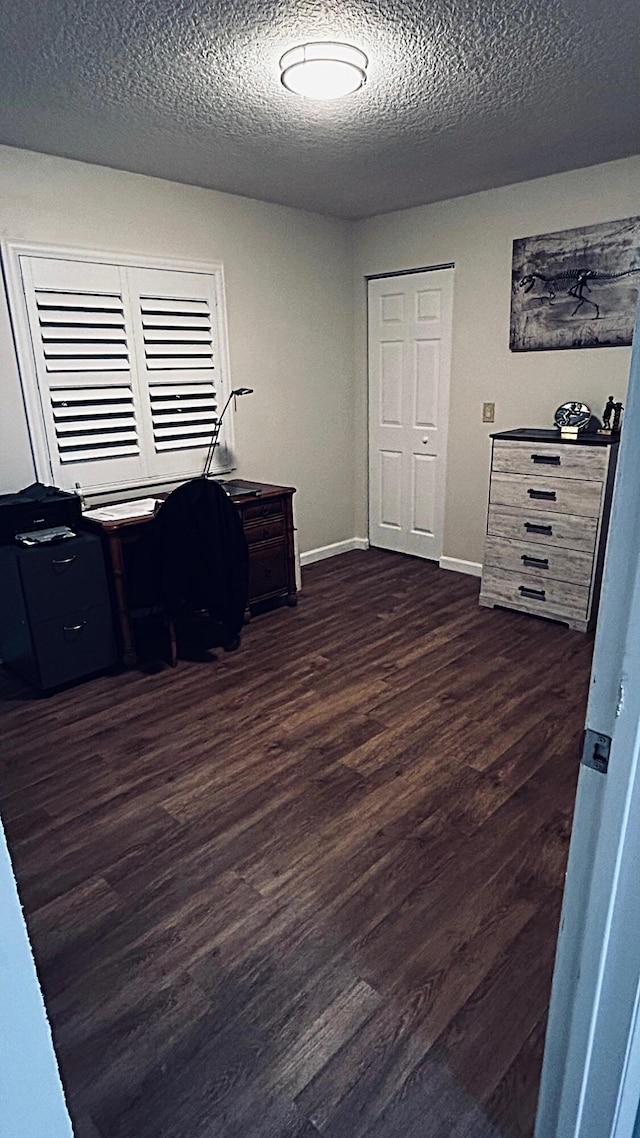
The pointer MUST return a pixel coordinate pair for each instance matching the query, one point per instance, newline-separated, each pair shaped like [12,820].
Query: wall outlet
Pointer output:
[488,412]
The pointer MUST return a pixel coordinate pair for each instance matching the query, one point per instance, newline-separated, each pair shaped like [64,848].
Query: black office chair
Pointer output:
[194,568]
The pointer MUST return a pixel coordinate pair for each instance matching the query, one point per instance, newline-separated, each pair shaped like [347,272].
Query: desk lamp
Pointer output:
[216,430]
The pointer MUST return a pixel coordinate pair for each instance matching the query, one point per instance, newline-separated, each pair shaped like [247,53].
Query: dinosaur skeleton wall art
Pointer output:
[577,288]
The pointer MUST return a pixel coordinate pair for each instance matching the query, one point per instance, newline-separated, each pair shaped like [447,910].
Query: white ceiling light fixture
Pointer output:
[323,70]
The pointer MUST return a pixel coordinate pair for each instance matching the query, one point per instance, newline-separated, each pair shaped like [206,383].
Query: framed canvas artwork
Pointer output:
[577,288]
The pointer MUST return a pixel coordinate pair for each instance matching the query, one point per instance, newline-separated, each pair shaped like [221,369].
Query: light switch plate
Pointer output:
[488,412]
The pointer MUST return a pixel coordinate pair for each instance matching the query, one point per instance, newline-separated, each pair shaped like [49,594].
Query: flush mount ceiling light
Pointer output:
[323,70]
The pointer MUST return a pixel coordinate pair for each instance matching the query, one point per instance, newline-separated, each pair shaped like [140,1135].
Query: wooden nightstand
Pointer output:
[267,519]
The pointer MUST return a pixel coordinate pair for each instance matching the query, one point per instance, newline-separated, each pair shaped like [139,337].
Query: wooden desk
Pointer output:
[267,519]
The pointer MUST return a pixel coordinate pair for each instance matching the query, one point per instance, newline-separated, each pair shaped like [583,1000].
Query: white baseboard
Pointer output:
[473,568]
[332,550]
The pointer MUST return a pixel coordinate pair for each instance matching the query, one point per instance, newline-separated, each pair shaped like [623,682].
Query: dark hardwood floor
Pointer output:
[312,887]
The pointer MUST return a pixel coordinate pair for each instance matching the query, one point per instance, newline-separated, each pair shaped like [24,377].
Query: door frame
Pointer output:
[385,276]
[590,1079]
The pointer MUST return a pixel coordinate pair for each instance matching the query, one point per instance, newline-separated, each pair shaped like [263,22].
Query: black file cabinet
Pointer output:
[55,613]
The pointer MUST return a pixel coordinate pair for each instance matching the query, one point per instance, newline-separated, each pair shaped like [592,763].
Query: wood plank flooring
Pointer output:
[312,887]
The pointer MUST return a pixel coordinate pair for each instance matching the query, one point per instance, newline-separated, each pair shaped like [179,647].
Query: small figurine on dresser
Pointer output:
[606,416]
[611,409]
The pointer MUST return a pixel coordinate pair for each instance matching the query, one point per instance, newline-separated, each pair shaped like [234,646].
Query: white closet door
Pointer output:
[409,368]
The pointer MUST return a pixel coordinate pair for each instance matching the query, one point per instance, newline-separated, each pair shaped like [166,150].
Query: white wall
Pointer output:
[476,233]
[31,1098]
[295,295]
[289,302]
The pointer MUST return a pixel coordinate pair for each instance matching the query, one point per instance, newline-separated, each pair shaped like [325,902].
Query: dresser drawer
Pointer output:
[540,561]
[267,571]
[561,495]
[560,599]
[265,530]
[74,645]
[542,459]
[61,578]
[564,530]
[259,510]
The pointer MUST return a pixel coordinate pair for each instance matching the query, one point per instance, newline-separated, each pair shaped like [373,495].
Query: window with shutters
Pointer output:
[123,365]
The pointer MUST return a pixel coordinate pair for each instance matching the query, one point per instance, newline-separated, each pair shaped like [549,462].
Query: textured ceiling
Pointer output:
[462,95]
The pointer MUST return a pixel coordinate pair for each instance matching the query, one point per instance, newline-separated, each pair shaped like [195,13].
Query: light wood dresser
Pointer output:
[547,521]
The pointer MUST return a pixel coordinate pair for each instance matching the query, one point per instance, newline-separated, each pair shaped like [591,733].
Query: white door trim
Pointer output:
[409,272]
[589,1088]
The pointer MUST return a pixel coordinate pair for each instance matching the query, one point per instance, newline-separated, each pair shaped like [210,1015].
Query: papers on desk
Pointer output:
[122,511]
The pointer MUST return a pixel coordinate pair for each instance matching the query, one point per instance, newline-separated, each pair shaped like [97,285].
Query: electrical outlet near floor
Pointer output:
[488,412]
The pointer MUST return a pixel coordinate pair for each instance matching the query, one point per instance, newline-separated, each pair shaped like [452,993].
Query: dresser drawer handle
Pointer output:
[535,562]
[532,527]
[546,459]
[546,495]
[75,627]
[532,594]
[63,560]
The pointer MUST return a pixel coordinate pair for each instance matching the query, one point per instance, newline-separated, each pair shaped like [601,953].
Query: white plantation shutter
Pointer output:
[178,338]
[86,332]
[93,422]
[177,333]
[83,401]
[183,414]
[123,367]
[82,331]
